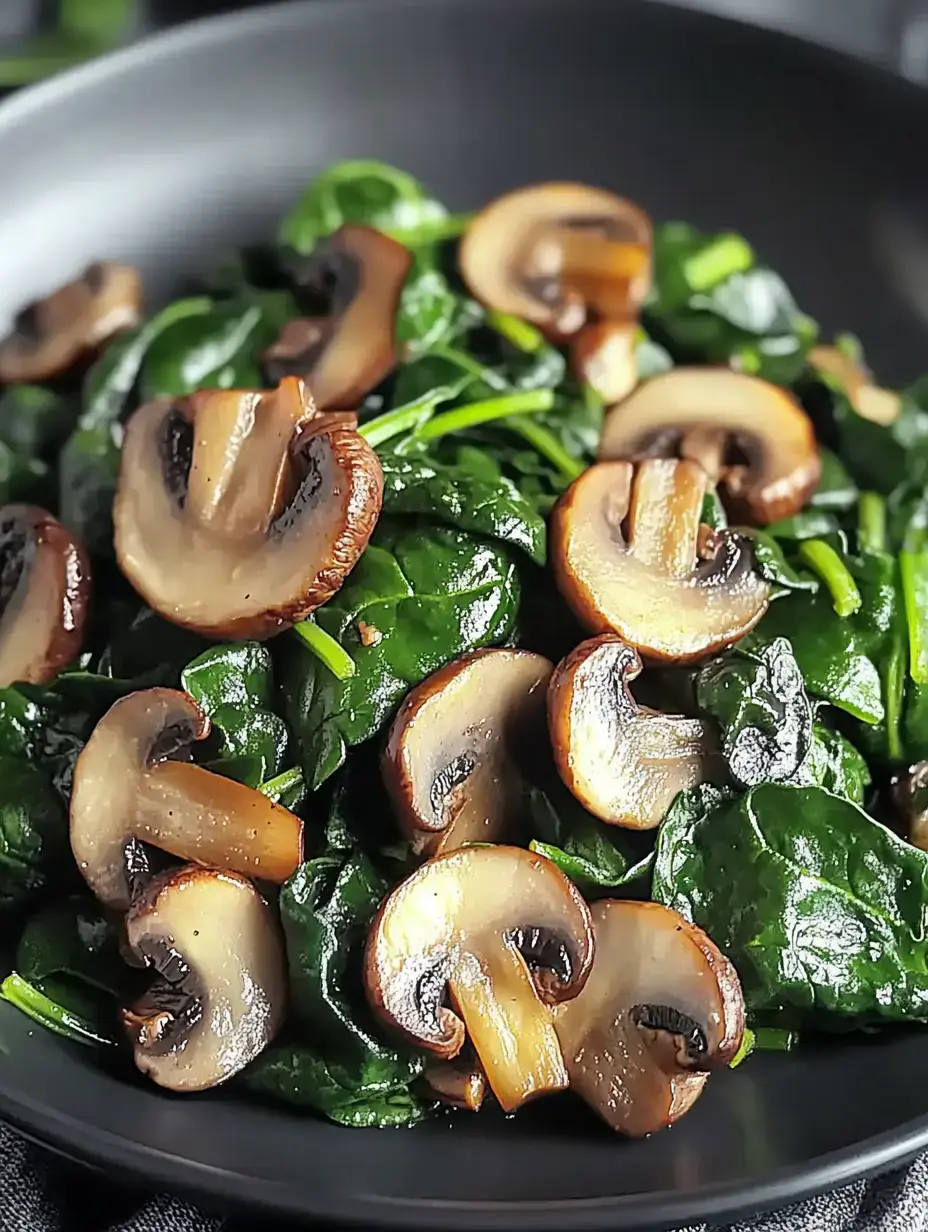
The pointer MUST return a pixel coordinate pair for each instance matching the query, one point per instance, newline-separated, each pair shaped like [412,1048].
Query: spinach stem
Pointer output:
[41,1009]
[747,1046]
[283,782]
[894,689]
[451,227]
[871,522]
[522,334]
[825,561]
[326,649]
[402,419]
[523,403]
[913,570]
[727,255]
[547,444]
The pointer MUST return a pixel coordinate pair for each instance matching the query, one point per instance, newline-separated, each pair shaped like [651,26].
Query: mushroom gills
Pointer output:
[457,750]
[624,762]
[630,556]
[219,995]
[661,1009]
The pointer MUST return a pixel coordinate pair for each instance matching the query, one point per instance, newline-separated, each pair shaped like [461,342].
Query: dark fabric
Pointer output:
[40,1193]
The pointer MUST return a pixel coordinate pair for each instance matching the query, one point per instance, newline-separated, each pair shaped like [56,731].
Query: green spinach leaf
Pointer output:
[34,850]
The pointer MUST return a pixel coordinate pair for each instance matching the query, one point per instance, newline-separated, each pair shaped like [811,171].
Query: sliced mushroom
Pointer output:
[559,254]
[662,1007]
[604,356]
[910,796]
[507,934]
[53,334]
[625,763]
[44,595]
[240,512]
[220,992]
[458,1083]
[453,758]
[128,793]
[748,435]
[359,273]
[880,406]
[668,586]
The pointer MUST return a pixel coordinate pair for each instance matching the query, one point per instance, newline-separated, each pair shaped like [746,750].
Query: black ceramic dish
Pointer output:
[166,153]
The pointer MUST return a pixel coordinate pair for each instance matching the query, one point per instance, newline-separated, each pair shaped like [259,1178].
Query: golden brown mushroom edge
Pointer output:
[455,754]
[129,794]
[660,1010]
[44,595]
[507,935]
[631,557]
[239,512]
[625,763]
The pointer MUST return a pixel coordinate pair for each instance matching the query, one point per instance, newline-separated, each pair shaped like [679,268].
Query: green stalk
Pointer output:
[326,649]
[747,1046]
[394,423]
[522,334]
[894,691]
[547,444]
[287,780]
[47,1013]
[451,227]
[825,561]
[913,570]
[727,255]
[871,522]
[530,401]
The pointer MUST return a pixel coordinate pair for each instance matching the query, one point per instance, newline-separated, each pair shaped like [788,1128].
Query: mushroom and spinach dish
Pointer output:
[451,659]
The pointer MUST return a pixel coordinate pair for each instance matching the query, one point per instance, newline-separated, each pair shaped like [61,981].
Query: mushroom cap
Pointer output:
[881,406]
[507,934]
[240,512]
[662,1007]
[44,595]
[452,759]
[221,989]
[699,412]
[54,333]
[624,762]
[126,792]
[672,589]
[558,253]
[341,357]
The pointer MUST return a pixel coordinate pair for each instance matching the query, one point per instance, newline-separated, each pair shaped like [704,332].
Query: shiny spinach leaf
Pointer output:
[66,1009]
[835,764]
[234,685]
[822,910]
[35,421]
[882,457]
[420,596]
[73,940]
[458,497]
[34,850]
[429,312]
[772,563]
[836,489]
[142,646]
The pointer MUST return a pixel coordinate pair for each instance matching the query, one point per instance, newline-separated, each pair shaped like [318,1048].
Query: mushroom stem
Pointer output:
[706,445]
[663,517]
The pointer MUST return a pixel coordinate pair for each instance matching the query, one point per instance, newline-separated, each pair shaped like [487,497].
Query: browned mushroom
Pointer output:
[507,934]
[128,793]
[604,356]
[559,254]
[220,991]
[359,274]
[880,406]
[631,557]
[662,1007]
[54,333]
[458,1083]
[748,435]
[240,512]
[624,762]
[44,595]
[453,758]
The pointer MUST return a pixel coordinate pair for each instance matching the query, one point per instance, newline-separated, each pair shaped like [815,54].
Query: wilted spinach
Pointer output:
[33,833]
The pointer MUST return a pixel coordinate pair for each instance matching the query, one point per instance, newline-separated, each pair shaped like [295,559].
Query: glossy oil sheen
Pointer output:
[165,154]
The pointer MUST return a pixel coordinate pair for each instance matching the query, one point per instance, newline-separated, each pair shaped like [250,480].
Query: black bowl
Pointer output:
[197,140]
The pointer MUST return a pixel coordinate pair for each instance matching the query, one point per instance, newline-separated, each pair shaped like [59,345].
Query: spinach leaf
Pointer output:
[34,851]
[143,647]
[35,421]
[772,564]
[883,457]
[429,312]
[764,713]
[839,657]
[234,684]
[834,763]
[712,303]
[74,940]
[374,1093]
[836,489]
[23,478]
[457,497]
[358,191]
[65,1012]
[822,909]
[420,596]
